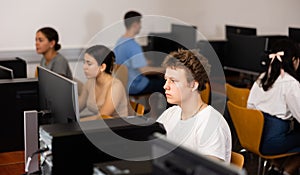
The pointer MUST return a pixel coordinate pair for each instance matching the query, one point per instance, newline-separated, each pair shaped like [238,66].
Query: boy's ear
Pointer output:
[195,85]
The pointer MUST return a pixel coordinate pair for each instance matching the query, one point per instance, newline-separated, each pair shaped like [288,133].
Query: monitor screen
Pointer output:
[58,95]
[271,39]
[239,30]
[16,64]
[294,34]
[186,162]
[159,46]
[245,54]
[17,96]
[6,73]
[184,35]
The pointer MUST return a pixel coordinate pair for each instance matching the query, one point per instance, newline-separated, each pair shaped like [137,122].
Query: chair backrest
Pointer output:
[248,124]
[237,159]
[205,94]
[138,108]
[238,96]
[120,71]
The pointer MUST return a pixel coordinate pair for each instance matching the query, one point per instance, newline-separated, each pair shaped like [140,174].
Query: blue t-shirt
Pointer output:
[130,53]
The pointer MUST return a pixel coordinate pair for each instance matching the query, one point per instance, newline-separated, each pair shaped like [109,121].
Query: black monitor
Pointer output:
[17,96]
[271,39]
[182,161]
[159,46]
[239,30]
[245,54]
[18,65]
[6,73]
[184,35]
[58,95]
[294,34]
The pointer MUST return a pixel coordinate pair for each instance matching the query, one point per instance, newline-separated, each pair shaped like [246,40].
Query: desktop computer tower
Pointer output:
[71,151]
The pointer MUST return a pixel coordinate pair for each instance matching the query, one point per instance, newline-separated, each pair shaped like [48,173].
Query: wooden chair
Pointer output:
[249,124]
[138,108]
[205,94]
[120,71]
[238,96]
[237,159]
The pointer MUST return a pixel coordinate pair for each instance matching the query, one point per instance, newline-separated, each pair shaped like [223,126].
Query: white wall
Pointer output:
[77,21]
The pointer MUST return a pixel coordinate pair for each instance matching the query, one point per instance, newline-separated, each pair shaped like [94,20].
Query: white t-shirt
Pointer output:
[206,133]
[281,100]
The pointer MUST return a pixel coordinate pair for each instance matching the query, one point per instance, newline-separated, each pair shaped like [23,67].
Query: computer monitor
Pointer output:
[6,73]
[294,34]
[245,54]
[17,96]
[159,46]
[183,161]
[58,95]
[239,30]
[18,65]
[184,35]
[271,39]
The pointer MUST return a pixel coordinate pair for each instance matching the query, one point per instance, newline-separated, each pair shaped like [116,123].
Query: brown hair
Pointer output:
[196,65]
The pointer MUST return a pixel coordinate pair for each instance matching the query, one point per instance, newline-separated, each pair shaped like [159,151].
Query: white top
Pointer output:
[206,133]
[281,100]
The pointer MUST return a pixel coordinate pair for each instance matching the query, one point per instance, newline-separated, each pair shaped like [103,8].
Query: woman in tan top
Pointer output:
[102,94]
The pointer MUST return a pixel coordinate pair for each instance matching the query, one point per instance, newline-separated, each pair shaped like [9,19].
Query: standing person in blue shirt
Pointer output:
[141,77]
[46,43]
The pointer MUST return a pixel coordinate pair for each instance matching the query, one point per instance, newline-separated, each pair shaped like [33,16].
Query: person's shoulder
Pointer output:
[286,81]
[210,109]
[288,77]
[115,82]
[61,58]
[174,108]
[168,113]
[212,113]
[125,40]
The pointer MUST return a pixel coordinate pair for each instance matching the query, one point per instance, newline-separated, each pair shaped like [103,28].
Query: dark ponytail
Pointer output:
[274,67]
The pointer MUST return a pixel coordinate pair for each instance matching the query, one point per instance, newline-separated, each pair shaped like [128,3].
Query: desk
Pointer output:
[12,163]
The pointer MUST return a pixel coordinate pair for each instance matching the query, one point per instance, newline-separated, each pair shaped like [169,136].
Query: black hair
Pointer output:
[131,17]
[52,35]
[102,54]
[290,52]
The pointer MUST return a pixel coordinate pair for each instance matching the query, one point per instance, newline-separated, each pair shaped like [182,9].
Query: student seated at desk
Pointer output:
[191,122]
[277,94]
[46,43]
[142,78]
[102,94]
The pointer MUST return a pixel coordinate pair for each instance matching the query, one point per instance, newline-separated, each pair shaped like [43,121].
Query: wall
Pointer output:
[78,21]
